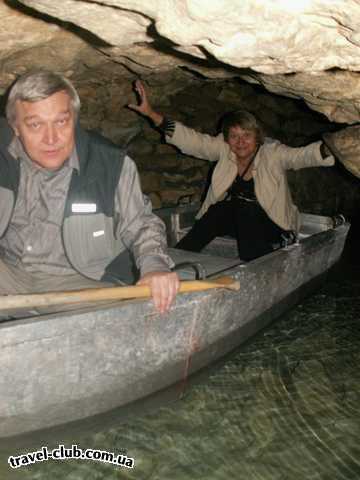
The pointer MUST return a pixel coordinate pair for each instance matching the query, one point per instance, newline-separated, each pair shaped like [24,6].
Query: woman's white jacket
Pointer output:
[269,171]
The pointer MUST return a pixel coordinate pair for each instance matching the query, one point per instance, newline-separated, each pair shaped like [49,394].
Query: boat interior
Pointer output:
[221,254]
[217,257]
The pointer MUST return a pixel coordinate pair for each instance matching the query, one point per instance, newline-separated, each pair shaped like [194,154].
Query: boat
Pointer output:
[66,366]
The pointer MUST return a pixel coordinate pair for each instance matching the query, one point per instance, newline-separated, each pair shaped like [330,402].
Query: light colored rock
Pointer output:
[268,36]
[307,49]
[346,146]
[34,31]
[116,26]
[336,93]
[28,42]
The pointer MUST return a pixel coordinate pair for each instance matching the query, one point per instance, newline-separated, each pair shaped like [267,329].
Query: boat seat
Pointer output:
[311,224]
[206,264]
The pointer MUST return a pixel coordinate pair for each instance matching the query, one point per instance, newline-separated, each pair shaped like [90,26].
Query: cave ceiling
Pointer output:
[306,49]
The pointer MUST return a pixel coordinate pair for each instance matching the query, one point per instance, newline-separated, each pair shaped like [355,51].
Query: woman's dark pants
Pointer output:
[255,233]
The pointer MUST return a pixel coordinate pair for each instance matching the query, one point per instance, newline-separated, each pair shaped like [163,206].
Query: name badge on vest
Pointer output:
[83,207]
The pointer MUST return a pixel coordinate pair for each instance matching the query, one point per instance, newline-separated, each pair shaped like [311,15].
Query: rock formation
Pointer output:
[304,49]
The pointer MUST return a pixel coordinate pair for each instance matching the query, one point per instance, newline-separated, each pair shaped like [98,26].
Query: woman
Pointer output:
[249,197]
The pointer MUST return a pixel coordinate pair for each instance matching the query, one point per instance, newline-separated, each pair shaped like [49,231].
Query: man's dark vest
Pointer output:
[88,224]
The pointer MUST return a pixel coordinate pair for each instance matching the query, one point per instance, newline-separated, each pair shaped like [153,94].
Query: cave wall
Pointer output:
[170,177]
[194,61]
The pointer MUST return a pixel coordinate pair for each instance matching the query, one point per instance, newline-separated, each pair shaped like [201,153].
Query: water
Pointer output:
[285,406]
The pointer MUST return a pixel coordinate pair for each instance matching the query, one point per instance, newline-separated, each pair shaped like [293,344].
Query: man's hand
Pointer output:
[144,107]
[164,287]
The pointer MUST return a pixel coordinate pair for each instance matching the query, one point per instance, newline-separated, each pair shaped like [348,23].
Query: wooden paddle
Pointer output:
[93,295]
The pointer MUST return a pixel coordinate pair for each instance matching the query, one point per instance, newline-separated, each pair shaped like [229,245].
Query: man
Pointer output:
[72,214]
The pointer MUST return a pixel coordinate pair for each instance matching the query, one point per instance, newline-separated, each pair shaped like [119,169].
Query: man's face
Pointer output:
[46,129]
[242,142]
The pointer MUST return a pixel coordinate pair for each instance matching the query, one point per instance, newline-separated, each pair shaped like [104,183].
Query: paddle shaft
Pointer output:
[93,295]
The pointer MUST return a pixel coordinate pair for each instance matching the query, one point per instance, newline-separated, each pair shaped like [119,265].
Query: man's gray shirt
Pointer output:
[34,236]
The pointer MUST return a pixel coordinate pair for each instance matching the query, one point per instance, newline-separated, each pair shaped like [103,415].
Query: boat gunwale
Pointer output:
[232,271]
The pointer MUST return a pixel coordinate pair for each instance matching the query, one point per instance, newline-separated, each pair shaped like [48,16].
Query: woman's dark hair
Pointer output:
[242,119]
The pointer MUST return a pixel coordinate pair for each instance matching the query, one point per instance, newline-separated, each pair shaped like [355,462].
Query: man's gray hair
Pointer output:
[37,85]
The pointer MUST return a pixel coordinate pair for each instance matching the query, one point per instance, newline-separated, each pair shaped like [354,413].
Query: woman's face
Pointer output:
[242,142]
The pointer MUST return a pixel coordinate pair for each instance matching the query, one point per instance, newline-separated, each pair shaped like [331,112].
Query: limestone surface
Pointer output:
[346,146]
[305,49]
[269,36]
